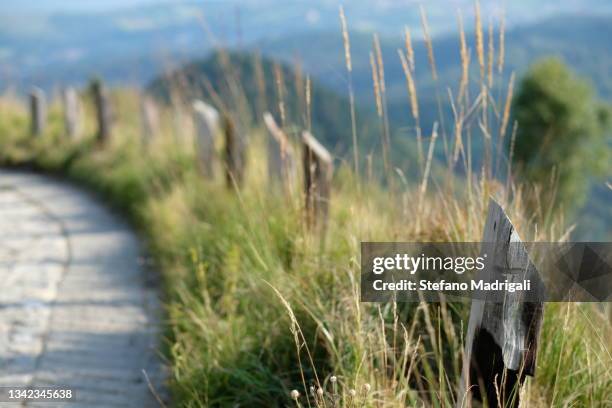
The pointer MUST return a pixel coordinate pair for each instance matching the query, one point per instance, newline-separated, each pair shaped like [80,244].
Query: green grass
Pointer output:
[257,307]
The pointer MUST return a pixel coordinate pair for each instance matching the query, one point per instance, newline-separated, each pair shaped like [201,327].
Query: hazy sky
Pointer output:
[68,5]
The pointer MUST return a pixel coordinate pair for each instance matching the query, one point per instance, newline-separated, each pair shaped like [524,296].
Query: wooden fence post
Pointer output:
[206,122]
[502,336]
[103,111]
[235,152]
[149,116]
[38,112]
[71,111]
[318,169]
[281,158]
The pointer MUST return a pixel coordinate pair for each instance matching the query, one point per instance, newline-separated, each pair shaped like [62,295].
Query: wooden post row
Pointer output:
[318,169]
[281,157]
[72,112]
[502,336]
[103,111]
[38,112]
[206,123]
[235,152]
[149,119]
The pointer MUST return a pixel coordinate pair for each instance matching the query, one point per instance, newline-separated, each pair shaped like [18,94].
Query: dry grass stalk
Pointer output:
[299,91]
[432,144]
[260,80]
[491,55]
[299,340]
[383,99]
[465,60]
[479,41]
[299,81]
[409,48]
[484,94]
[349,69]
[428,42]
[381,66]
[280,93]
[424,181]
[458,139]
[434,74]
[376,84]
[507,106]
[502,44]
[511,154]
[414,104]
[308,103]
[346,41]
[504,121]
[483,123]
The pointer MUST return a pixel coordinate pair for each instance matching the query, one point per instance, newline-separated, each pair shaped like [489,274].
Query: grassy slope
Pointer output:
[254,308]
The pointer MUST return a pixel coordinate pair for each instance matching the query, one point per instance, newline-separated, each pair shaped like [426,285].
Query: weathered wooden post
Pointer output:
[71,111]
[281,158]
[149,119]
[206,121]
[38,111]
[235,152]
[103,111]
[502,336]
[318,169]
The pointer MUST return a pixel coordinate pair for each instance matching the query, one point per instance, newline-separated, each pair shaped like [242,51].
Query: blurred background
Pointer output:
[189,117]
[53,44]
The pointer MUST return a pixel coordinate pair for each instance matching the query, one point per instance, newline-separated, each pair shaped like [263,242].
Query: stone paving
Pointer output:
[77,307]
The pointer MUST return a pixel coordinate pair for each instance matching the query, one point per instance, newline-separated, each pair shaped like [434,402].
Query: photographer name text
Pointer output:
[442,285]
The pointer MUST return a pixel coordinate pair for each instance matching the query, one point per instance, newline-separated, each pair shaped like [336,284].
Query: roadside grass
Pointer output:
[257,307]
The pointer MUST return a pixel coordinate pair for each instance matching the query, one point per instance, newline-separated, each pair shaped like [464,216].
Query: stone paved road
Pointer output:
[75,305]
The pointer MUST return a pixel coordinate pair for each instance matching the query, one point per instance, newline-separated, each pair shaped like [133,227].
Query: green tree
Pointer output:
[562,128]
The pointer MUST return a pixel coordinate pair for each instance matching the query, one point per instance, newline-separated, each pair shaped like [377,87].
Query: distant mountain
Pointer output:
[230,80]
[583,42]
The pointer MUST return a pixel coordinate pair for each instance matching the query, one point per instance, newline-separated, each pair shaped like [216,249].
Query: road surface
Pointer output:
[77,306]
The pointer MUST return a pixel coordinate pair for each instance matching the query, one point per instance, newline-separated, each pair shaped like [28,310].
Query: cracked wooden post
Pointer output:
[281,157]
[235,152]
[38,112]
[103,111]
[206,123]
[72,110]
[149,116]
[318,169]
[502,335]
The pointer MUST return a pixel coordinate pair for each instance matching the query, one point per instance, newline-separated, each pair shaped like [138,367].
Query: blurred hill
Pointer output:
[585,47]
[238,88]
